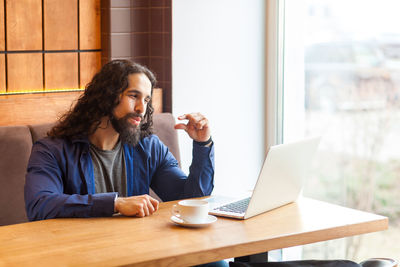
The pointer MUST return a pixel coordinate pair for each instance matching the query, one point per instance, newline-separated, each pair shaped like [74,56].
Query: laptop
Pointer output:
[280,181]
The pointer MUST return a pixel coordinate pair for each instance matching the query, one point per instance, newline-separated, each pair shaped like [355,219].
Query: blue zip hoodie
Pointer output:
[60,181]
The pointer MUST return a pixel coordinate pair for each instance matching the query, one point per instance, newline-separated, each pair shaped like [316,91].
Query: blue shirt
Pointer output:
[60,181]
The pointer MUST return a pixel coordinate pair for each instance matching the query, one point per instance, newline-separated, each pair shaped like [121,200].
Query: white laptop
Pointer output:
[280,181]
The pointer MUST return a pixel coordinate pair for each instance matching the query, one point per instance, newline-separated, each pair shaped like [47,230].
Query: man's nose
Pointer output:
[140,106]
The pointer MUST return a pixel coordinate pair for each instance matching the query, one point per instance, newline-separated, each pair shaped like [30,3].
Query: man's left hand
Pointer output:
[197,126]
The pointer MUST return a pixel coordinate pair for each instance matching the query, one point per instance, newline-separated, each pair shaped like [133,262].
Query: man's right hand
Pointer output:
[138,206]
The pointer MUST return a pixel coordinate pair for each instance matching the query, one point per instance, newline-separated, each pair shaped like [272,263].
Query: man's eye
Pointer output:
[133,96]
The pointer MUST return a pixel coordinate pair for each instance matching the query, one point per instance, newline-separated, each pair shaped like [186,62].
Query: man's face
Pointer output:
[128,115]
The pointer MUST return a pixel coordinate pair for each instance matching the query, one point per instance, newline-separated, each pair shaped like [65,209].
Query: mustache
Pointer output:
[133,115]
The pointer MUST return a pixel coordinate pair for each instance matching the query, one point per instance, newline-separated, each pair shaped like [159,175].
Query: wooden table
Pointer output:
[155,241]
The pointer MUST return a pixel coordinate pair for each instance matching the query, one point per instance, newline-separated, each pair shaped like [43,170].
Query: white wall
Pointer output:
[218,70]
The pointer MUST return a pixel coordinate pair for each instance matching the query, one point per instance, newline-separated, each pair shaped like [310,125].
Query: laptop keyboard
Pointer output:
[236,207]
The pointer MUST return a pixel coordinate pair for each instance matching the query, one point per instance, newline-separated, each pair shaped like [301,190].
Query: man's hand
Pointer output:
[138,206]
[197,126]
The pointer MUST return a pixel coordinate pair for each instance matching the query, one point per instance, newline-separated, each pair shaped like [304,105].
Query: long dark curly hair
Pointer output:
[100,98]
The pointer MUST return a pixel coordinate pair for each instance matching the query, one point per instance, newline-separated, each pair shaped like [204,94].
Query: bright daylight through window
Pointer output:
[342,81]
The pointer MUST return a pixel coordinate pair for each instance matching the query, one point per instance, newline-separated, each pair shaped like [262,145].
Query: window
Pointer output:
[342,81]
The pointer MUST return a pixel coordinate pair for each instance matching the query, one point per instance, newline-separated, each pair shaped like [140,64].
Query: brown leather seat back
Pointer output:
[163,125]
[15,149]
[39,131]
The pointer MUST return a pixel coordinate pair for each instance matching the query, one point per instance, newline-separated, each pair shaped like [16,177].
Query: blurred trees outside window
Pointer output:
[342,81]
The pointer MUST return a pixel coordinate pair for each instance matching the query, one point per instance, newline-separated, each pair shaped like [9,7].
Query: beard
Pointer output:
[128,133]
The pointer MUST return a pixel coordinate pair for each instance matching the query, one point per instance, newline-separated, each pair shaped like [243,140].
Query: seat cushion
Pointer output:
[15,149]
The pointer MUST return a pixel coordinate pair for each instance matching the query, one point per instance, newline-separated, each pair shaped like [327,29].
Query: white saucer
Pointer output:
[210,219]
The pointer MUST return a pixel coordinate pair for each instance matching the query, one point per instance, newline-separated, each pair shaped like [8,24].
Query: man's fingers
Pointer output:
[197,121]
[140,212]
[155,203]
[182,117]
[197,126]
[147,206]
[150,205]
[180,126]
[200,124]
[192,117]
[139,206]
[146,209]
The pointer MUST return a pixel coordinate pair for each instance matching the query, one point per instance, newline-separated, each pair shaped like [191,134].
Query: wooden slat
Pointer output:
[90,63]
[25,72]
[60,24]
[2,42]
[24,25]
[61,71]
[2,74]
[34,108]
[40,108]
[157,100]
[89,24]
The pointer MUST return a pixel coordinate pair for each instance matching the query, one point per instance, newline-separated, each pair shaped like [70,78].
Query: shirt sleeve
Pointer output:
[170,182]
[44,190]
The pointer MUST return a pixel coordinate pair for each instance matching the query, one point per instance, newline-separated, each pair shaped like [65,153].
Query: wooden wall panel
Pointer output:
[42,70]
[157,100]
[25,72]
[24,25]
[2,42]
[2,74]
[90,64]
[89,24]
[24,109]
[60,24]
[61,71]
[35,108]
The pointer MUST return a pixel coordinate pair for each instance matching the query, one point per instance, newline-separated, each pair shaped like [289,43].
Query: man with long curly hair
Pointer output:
[102,158]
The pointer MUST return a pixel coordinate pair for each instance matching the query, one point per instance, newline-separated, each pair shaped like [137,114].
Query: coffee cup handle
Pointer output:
[175,210]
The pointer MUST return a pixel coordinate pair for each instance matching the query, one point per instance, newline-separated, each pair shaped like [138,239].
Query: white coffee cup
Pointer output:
[191,210]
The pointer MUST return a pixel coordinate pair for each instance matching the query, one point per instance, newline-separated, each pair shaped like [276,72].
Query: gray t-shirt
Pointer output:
[109,169]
